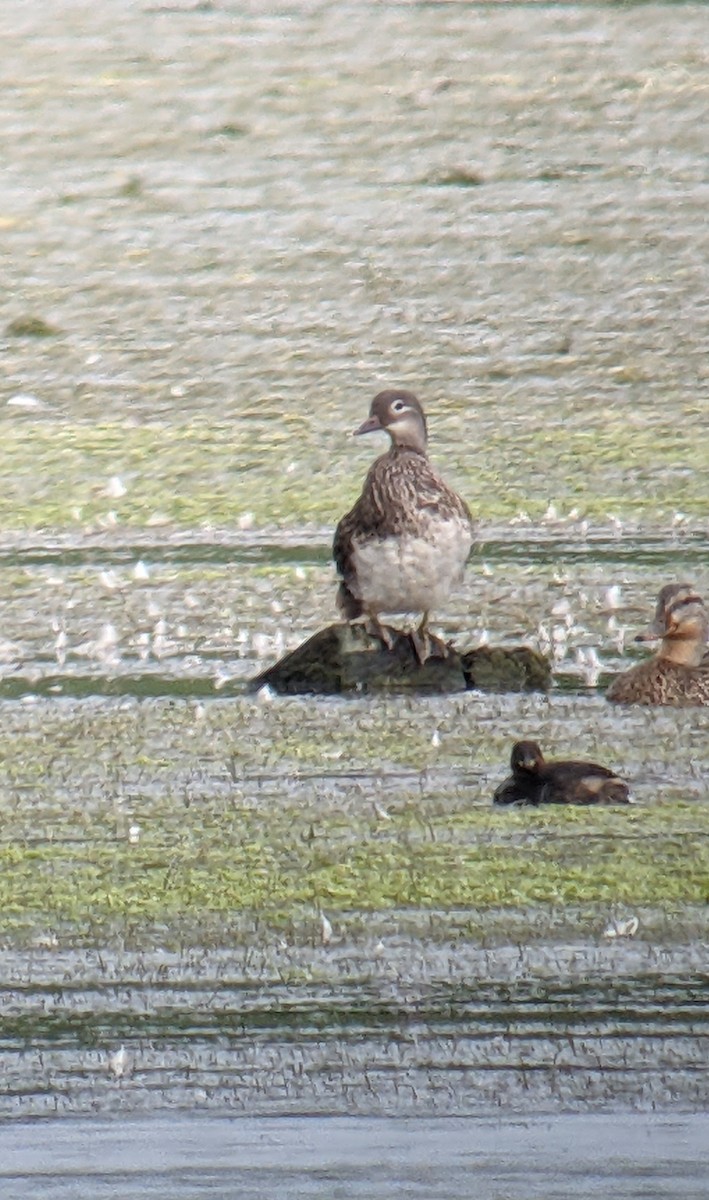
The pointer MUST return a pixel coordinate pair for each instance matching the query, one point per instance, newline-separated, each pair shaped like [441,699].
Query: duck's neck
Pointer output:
[409,447]
[686,652]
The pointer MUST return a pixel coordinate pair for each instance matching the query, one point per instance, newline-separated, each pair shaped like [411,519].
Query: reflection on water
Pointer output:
[644,1158]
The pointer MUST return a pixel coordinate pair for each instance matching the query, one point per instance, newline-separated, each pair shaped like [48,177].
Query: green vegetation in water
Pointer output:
[281,865]
[254,813]
[30,327]
[191,474]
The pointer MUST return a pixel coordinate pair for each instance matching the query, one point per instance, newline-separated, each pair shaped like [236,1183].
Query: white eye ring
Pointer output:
[398,406]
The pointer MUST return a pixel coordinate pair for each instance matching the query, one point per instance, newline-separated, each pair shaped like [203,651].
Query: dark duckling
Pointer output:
[535,781]
[404,545]
[679,673]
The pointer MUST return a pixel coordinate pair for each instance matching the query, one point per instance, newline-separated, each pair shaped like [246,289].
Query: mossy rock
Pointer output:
[499,669]
[347,658]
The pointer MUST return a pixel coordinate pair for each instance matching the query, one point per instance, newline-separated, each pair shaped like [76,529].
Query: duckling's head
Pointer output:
[401,416]
[527,758]
[682,621]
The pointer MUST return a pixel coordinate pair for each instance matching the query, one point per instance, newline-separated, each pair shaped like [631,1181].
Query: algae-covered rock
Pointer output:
[498,669]
[346,658]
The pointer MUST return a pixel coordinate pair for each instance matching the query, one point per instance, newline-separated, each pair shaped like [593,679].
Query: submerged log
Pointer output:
[347,658]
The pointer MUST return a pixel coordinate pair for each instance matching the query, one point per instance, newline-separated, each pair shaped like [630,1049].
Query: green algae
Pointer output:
[265,813]
[199,855]
[193,474]
[30,326]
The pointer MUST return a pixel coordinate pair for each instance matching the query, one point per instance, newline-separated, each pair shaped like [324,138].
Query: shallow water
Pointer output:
[240,223]
[200,616]
[650,1158]
[379,1023]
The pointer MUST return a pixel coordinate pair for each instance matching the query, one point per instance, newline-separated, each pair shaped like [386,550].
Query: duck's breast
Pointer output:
[411,572]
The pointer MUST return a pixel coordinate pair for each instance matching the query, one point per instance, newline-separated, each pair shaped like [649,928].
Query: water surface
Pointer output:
[649,1158]
[237,223]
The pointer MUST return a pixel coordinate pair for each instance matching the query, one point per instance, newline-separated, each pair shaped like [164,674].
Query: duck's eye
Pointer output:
[398,406]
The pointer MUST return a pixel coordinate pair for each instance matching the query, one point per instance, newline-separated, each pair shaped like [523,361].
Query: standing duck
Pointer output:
[679,673]
[404,545]
[535,781]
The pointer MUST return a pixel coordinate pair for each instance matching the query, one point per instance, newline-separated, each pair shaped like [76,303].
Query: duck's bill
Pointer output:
[651,634]
[371,425]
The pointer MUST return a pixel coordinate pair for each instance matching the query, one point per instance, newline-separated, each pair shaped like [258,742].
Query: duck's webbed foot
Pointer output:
[385,634]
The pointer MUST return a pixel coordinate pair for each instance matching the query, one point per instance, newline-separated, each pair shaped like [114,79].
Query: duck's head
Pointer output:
[400,415]
[526,757]
[680,614]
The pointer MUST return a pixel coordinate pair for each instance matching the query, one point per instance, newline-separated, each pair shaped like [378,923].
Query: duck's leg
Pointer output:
[426,643]
[384,633]
[353,610]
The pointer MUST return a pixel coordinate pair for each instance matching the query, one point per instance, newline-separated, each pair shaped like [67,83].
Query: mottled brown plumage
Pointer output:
[535,781]
[404,544]
[679,673]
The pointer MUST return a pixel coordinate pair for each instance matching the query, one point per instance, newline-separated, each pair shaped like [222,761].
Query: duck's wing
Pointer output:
[400,488]
[638,685]
[370,516]
[435,494]
[582,783]
[660,681]
[347,603]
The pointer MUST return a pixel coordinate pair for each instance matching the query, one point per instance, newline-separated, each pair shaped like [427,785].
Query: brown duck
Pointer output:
[535,781]
[404,545]
[679,673]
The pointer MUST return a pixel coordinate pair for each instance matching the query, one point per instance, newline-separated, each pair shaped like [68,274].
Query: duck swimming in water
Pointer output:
[536,781]
[678,673]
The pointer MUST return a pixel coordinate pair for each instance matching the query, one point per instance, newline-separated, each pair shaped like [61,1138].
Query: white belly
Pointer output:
[410,574]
